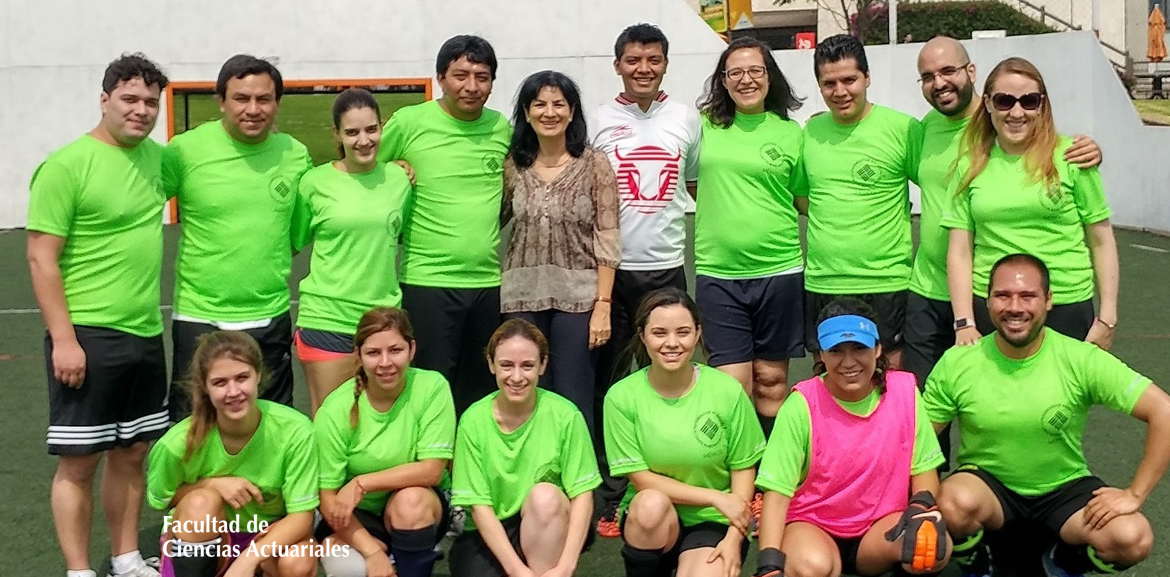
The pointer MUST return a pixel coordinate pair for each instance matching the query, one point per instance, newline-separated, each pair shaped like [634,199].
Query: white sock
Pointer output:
[127,562]
[82,573]
[348,564]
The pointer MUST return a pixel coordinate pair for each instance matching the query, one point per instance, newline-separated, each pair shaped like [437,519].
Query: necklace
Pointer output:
[567,156]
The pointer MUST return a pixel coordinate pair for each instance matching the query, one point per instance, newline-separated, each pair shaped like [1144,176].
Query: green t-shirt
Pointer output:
[697,439]
[784,465]
[419,425]
[745,222]
[236,202]
[1023,420]
[1009,212]
[941,136]
[498,469]
[353,221]
[279,459]
[452,231]
[859,202]
[107,203]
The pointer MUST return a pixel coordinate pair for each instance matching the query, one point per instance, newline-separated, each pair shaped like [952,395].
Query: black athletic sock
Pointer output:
[643,562]
[971,554]
[414,550]
[1080,559]
[194,559]
[767,423]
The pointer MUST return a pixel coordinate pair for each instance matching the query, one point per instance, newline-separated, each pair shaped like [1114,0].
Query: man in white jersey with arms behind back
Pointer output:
[652,141]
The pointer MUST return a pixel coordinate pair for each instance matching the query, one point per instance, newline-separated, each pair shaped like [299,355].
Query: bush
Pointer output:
[925,20]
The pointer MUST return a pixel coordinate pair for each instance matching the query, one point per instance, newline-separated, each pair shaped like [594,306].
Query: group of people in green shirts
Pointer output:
[701,446]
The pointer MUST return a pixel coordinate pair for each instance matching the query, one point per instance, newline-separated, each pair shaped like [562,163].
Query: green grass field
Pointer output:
[307,117]
[1113,444]
[1154,111]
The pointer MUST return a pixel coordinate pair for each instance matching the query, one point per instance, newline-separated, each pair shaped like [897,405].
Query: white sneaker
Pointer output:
[140,571]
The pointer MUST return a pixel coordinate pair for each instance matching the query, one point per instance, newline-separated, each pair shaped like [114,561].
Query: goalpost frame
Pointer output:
[204,86]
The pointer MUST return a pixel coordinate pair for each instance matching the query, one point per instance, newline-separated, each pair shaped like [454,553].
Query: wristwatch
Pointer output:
[963,323]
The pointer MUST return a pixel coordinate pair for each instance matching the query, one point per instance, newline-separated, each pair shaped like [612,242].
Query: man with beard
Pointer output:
[652,143]
[948,84]
[1022,397]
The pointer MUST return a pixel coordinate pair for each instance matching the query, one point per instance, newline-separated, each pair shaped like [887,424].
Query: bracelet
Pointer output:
[1107,325]
[602,300]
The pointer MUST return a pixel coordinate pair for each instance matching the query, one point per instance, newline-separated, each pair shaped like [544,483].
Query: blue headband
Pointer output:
[847,328]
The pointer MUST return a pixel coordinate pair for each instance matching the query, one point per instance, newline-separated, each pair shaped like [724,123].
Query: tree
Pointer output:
[852,15]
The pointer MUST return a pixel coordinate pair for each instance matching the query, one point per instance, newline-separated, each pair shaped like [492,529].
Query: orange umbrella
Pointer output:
[1157,46]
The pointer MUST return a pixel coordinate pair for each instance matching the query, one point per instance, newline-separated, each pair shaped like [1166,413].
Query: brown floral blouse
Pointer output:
[563,231]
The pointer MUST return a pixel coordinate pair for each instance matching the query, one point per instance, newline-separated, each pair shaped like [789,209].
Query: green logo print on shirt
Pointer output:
[1051,196]
[708,430]
[1055,419]
[394,223]
[492,163]
[548,473]
[864,172]
[279,187]
[772,154]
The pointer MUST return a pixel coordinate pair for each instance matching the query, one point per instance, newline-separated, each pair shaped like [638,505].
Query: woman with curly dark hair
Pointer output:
[748,261]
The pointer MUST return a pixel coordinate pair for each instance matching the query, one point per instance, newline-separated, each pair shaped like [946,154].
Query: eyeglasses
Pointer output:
[753,72]
[1004,102]
[946,73]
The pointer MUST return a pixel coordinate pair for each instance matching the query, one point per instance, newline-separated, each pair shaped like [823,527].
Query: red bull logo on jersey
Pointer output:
[647,177]
[621,132]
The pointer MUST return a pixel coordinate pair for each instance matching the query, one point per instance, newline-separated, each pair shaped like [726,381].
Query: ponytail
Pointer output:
[375,320]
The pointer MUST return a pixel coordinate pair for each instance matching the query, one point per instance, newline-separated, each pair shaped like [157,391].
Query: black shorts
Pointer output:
[890,309]
[928,332]
[122,400]
[1072,319]
[697,536]
[848,547]
[629,288]
[452,327]
[374,523]
[746,319]
[471,557]
[1051,510]
[275,340]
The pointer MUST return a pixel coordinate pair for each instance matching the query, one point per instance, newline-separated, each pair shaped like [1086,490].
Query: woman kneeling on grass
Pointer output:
[384,439]
[239,475]
[524,466]
[850,447]
[687,437]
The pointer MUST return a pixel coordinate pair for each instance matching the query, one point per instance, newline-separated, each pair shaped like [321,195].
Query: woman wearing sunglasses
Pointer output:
[1015,193]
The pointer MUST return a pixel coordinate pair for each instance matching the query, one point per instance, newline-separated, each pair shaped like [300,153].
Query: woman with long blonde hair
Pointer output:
[238,477]
[1015,193]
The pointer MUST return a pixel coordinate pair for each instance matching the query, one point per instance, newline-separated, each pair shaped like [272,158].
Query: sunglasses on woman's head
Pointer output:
[1005,102]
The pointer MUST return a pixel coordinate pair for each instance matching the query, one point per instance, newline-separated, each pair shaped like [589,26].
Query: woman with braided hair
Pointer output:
[384,439]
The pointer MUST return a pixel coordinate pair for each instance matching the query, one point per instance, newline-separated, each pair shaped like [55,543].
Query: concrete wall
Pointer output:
[1087,98]
[52,73]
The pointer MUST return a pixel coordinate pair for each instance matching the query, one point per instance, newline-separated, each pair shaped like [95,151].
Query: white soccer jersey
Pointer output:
[653,154]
